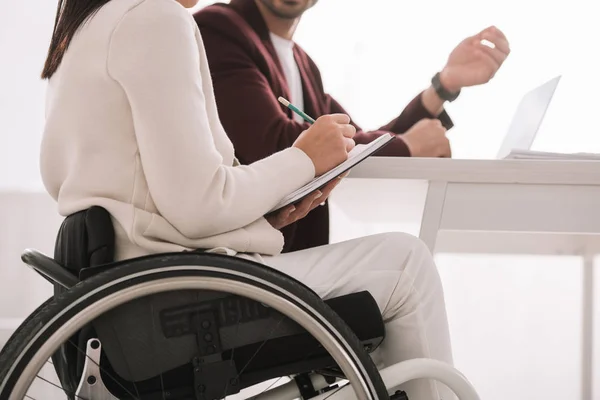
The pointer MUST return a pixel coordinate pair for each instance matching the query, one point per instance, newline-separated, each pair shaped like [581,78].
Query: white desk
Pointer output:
[496,206]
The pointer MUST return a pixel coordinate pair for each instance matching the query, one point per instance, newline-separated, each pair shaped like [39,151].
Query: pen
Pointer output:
[296,110]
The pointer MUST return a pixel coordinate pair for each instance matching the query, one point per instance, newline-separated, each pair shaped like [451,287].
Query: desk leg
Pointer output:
[432,213]
[587,328]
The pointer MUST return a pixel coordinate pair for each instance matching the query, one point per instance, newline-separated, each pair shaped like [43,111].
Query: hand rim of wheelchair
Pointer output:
[320,327]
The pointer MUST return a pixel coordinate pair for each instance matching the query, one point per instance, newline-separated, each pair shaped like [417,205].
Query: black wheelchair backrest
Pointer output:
[85,239]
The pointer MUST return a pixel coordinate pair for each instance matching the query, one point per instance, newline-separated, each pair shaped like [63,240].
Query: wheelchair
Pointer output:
[194,325]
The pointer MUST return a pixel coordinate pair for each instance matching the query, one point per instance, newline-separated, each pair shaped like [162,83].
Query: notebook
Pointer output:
[359,153]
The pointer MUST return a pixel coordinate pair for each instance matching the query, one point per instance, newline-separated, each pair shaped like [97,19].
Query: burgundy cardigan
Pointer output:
[248,79]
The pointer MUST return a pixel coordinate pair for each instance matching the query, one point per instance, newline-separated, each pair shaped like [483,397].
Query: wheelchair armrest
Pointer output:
[49,268]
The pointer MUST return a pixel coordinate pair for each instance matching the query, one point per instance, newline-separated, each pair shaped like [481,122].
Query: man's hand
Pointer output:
[292,213]
[427,138]
[473,62]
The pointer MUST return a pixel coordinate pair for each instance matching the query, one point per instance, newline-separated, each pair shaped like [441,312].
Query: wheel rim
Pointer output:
[321,330]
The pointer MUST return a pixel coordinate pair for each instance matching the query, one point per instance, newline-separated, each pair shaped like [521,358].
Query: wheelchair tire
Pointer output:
[56,320]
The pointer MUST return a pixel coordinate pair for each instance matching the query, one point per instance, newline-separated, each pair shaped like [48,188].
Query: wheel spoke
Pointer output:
[260,347]
[162,383]
[61,388]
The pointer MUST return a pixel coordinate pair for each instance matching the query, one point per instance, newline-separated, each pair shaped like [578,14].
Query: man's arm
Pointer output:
[254,119]
[414,112]
[427,105]
[417,110]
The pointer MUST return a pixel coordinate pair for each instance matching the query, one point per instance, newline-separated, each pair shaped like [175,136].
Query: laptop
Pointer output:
[528,118]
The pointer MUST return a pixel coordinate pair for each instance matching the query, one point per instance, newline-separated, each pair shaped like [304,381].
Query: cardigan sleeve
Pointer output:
[156,59]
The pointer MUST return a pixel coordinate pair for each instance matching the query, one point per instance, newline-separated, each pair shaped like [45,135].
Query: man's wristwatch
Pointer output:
[441,91]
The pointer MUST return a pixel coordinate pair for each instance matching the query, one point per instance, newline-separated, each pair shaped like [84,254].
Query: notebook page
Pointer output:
[357,154]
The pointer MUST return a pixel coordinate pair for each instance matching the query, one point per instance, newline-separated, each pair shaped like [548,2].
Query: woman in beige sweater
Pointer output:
[132,126]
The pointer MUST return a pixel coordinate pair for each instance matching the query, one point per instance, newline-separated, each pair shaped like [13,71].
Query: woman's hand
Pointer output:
[327,142]
[293,213]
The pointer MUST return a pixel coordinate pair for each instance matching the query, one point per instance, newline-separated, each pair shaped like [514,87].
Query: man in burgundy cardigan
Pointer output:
[253,61]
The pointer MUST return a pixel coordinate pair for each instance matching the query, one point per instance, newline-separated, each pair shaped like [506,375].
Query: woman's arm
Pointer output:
[154,55]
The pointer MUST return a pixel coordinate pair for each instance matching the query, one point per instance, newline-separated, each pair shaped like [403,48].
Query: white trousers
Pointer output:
[399,272]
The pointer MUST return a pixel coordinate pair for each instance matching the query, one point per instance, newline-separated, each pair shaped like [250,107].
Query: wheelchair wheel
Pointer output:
[53,323]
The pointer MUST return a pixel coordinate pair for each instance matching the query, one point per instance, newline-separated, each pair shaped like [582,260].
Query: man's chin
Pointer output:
[287,9]
[289,13]
[290,16]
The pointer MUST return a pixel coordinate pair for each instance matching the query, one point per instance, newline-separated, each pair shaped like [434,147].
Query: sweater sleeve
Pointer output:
[156,58]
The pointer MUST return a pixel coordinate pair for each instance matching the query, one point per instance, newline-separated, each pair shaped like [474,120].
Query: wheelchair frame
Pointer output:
[393,376]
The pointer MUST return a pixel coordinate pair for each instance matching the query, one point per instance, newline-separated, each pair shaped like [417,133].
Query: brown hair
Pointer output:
[70,15]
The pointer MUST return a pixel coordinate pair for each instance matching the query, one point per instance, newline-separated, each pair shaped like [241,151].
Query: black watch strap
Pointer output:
[441,91]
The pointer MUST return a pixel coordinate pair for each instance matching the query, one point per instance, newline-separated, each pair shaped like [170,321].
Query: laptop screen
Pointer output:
[528,118]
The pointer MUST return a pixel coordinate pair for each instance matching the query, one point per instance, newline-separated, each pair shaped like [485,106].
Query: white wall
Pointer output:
[25,28]
[514,320]
[390,49]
